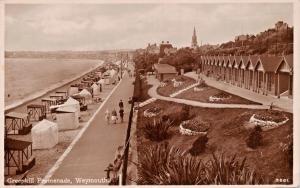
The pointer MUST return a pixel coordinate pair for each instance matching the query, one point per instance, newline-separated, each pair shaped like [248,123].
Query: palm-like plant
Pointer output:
[164,165]
[158,130]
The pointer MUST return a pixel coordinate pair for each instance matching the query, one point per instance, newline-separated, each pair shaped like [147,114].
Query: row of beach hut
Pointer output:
[63,106]
[268,75]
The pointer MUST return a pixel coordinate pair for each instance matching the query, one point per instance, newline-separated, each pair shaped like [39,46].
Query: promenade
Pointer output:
[97,146]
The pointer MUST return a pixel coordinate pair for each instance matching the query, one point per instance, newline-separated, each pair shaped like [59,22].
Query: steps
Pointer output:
[147,102]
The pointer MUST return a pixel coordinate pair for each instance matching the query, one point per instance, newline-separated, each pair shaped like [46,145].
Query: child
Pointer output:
[107,115]
[114,116]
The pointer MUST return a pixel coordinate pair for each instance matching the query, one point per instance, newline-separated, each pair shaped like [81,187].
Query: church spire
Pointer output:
[194,39]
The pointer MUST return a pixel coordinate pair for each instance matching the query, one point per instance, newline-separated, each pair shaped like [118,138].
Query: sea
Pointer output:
[26,79]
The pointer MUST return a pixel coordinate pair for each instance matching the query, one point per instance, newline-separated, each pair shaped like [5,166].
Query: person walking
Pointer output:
[121,112]
[121,104]
[114,116]
[107,116]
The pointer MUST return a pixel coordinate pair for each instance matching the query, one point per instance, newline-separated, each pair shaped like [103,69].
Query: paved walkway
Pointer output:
[96,148]
[284,104]
[153,93]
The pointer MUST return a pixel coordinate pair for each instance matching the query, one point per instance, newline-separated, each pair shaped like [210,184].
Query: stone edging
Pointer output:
[189,132]
[266,125]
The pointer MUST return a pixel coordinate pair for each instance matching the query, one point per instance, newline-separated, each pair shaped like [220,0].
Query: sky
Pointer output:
[80,27]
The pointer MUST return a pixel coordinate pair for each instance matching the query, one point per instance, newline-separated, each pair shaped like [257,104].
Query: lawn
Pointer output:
[226,134]
[203,96]
[169,88]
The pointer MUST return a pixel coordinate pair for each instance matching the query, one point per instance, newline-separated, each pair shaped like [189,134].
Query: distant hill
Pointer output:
[104,55]
[275,40]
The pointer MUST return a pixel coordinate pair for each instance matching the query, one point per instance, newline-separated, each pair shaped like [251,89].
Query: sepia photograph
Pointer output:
[149,93]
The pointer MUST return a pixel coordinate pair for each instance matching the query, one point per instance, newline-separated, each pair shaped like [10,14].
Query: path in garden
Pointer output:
[282,103]
[153,93]
[97,146]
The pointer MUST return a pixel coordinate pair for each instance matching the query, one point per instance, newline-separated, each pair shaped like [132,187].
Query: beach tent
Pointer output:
[67,118]
[73,90]
[73,102]
[101,81]
[87,96]
[96,89]
[44,135]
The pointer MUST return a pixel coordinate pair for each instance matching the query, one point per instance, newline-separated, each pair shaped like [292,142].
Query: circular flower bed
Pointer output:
[219,97]
[269,119]
[193,127]
[152,112]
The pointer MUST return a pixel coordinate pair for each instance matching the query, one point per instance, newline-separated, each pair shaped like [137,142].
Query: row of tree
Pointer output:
[184,58]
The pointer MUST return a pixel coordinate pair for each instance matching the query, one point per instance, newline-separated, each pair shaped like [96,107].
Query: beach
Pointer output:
[45,159]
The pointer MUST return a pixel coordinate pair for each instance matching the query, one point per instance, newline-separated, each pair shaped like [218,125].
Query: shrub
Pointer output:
[160,164]
[199,145]
[158,130]
[254,139]
[228,170]
[185,111]
[287,149]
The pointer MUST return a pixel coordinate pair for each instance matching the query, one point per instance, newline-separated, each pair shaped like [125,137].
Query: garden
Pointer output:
[209,94]
[184,145]
[175,84]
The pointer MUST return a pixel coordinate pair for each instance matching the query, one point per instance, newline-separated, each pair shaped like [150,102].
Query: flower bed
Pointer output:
[268,119]
[152,112]
[193,127]
[219,97]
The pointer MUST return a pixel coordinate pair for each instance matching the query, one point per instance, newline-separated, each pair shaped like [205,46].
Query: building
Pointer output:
[280,25]
[164,71]
[194,44]
[162,48]
[152,48]
[241,38]
[169,51]
[267,75]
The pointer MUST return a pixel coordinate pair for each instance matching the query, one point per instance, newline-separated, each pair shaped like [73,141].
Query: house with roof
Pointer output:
[164,71]
[268,75]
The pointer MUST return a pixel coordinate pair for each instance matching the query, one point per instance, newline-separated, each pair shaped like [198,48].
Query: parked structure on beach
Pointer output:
[268,75]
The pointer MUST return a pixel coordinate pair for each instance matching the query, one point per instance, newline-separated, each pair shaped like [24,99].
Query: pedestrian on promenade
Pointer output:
[100,87]
[114,116]
[107,116]
[121,105]
[121,112]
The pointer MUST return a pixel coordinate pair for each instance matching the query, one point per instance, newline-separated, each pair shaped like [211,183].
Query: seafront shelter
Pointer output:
[164,71]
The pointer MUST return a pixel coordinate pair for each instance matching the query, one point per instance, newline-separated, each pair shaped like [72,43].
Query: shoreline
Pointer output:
[51,88]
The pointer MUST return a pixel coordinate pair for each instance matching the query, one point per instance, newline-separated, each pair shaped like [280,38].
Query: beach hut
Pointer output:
[73,90]
[73,102]
[87,96]
[44,135]
[284,76]
[96,89]
[67,118]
